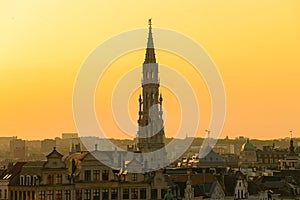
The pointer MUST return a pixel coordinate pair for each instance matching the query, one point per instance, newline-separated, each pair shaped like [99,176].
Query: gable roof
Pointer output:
[54,154]
[32,168]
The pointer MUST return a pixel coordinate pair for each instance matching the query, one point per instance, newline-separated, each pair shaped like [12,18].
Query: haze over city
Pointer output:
[254,45]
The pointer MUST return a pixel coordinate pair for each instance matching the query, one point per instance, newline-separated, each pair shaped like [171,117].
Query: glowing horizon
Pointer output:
[254,44]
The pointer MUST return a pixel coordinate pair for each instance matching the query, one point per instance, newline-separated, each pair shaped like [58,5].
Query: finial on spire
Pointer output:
[149,21]
[150,54]
[291,132]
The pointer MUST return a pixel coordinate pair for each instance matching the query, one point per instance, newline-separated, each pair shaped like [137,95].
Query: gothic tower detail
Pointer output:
[150,134]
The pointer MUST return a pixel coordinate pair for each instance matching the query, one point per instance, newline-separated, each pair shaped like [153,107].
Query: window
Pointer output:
[96,175]
[143,193]
[50,195]
[105,194]
[28,180]
[5,194]
[114,193]
[58,179]
[42,195]
[22,180]
[134,193]
[87,175]
[96,194]
[125,193]
[68,194]
[134,177]
[163,193]
[105,175]
[58,195]
[154,194]
[50,179]
[34,180]
[87,194]
[78,194]
[0,194]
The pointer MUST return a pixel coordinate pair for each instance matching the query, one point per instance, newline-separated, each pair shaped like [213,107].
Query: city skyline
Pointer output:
[42,53]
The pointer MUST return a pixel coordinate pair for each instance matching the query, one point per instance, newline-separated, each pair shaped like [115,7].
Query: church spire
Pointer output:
[292,148]
[150,54]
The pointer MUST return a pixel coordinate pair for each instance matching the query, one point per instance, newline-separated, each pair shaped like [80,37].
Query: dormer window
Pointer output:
[22,180]
[34,180]
[28,180]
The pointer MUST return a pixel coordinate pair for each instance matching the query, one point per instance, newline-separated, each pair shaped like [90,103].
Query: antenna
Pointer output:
[208,133]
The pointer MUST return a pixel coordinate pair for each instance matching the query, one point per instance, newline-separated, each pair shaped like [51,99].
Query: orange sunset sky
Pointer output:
[254,43]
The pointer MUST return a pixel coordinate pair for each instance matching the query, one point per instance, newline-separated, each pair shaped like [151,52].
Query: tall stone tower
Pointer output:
[150,134]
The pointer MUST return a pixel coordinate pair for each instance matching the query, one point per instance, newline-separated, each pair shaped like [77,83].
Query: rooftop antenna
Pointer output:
[208,133]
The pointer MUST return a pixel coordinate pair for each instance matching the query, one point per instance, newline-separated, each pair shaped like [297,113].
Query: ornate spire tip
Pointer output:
[149,22]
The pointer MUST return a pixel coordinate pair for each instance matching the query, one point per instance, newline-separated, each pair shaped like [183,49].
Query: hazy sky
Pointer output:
[254,43]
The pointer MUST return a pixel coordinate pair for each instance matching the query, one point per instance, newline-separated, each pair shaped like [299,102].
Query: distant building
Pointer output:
[212,160]
[291,161]
[248,156]
[69,135]
[224,148]
[283,186]
[47,146]
[269,157]
[231,160]
[204,185]
[17,149]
